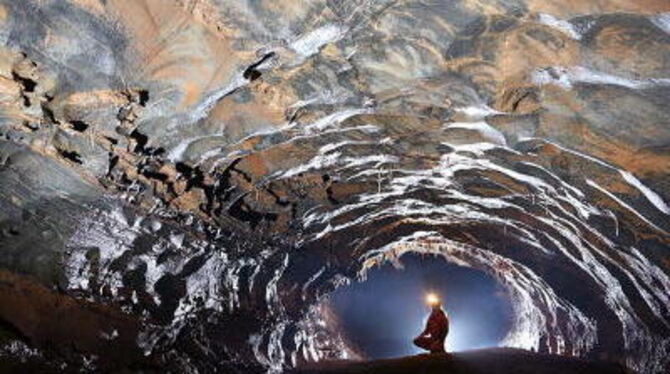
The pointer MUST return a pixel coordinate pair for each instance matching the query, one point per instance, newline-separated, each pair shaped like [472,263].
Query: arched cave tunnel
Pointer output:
[378,316]
[234,186]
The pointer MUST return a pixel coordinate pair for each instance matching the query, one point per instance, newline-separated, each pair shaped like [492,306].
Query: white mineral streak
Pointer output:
[310,43]
[17,349]
[662,21]
[271,291]
[649,194]
[487,131]
[656,281]
[563,26]
[567,77]
[312,279]
[111,236]
[322,161]
[622,204]
[205,284]
[334,119]
[477,112]
[205,106]
[652,196]
[176,154]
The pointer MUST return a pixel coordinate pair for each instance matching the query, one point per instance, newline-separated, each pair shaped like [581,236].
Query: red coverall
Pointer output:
[437,328]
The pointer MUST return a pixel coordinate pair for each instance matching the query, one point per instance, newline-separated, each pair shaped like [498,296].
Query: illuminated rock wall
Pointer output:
[211,169]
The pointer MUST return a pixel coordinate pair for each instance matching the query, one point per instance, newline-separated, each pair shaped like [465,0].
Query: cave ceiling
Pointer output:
[190,179]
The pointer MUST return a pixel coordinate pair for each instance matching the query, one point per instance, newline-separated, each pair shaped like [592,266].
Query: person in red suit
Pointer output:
[437,327]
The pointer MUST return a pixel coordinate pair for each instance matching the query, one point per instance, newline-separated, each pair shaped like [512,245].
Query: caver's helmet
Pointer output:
[432,300]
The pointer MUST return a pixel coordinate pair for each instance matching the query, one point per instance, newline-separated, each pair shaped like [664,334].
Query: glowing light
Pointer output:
[432,299]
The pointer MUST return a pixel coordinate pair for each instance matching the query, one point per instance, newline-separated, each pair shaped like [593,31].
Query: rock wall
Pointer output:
[207,171]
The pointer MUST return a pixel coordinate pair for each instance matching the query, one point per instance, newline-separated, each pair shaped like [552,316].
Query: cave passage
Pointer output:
[380,316]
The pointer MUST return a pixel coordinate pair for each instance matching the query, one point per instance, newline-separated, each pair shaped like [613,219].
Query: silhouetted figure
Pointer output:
[433,336]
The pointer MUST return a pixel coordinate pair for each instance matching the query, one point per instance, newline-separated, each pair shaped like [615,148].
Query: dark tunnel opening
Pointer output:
[379,317]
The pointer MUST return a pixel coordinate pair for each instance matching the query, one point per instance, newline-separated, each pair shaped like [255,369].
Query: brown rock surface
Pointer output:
[213,169]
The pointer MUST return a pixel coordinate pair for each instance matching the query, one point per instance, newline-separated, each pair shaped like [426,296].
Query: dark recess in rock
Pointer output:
[155,175]
[114,141]
[141,141]
[80,126]
[144,97]
[251,73]
[71,155]
[31,125]
[113,160]
[27,83]
[244,213]
[49,114]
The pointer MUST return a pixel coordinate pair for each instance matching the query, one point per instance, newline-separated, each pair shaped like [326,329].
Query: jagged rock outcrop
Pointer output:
[206,172]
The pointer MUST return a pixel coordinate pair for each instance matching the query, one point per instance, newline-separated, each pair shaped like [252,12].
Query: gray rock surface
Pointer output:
[213,169]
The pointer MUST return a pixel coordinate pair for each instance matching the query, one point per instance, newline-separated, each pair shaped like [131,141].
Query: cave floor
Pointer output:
[484,361]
